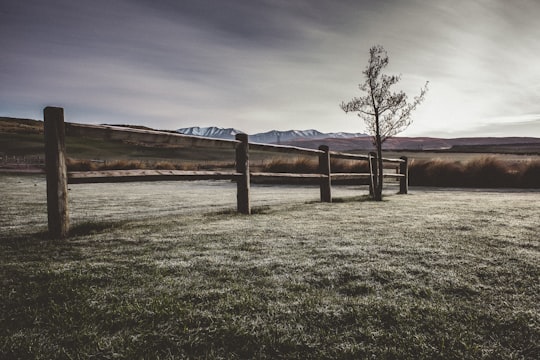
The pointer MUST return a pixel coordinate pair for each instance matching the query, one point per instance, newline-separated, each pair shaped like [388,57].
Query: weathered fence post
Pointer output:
[404,170]
[55,166]
[372,173]
[324,169]
[242,167]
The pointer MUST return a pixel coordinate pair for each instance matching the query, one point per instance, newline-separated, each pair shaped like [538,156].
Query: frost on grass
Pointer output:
[434,274]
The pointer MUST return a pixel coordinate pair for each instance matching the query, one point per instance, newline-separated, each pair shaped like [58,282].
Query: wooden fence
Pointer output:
[58,177]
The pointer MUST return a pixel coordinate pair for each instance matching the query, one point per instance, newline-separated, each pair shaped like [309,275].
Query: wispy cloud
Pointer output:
[266,64]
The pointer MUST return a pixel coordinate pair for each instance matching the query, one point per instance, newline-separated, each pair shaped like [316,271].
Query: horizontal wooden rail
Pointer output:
[287,175]
[397,161]
[347,176]
[284,149]
[108,176]
[393,175]
[107,132]
[340,155]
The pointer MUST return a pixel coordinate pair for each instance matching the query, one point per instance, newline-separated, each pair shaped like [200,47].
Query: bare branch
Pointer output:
[385,113]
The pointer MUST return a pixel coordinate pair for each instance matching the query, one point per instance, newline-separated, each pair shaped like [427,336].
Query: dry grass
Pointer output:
[93,165]
[484,172]
[310,166]
[481,172]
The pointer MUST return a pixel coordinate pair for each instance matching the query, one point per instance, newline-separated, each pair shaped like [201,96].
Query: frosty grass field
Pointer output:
[169,270]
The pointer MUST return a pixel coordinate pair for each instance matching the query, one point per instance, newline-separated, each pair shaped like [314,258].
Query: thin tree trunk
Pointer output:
[379,187]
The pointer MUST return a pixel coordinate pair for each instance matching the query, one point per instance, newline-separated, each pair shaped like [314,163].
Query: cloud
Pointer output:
[259,65]
[526,125]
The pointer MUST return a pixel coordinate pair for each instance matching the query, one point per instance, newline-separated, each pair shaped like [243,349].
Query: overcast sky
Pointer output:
[258,65]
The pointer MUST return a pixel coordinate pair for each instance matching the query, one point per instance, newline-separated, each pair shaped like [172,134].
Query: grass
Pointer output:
[93,165]
[311,165]
[169,271]
[484,172]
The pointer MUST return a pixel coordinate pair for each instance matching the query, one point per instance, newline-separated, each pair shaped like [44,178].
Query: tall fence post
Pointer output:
[324,169]
[56,172]
[404,180]
[242,167]
[372,173]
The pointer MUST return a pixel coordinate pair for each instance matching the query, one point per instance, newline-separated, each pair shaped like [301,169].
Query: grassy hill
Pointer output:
[24,137]
[505,145]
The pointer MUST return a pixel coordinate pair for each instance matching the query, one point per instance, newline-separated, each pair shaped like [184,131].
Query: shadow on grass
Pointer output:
[95,227]
[348,199]
[255,210]
[351,199]
[23,240]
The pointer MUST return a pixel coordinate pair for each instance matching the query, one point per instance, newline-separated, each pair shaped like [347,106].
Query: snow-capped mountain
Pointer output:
[270,137]
[211,132]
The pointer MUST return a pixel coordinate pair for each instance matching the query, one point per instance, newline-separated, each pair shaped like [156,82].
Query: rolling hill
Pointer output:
[24,136]
[469,144]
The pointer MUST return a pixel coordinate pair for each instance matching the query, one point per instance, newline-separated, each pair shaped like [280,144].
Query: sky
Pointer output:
[259,65]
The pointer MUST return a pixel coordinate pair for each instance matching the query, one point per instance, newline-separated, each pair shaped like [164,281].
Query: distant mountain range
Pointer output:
[342,141]
[269,137]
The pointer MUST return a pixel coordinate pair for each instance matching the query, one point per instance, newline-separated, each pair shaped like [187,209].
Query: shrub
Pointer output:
[124,165]
[309,166]
[297,165]
[530,175]
[435,173]
[488,172]
[349,166]
[165,165]
[484,172]
[93,165]
[81,165]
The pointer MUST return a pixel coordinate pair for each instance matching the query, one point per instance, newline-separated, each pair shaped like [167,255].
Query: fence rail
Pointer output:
[89,177]
[58,177]
[109,132]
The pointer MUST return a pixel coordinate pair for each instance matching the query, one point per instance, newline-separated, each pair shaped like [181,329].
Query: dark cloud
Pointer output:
[261,22]
[262,64]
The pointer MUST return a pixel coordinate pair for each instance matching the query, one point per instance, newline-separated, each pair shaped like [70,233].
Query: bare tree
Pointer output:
[385,113]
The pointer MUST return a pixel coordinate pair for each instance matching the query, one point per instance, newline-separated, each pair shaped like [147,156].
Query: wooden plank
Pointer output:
[340,155]
[404,181]
[284,149]
[396,176]
[243,181]
[287,175]
[392,160]
[345,176]
[111,176]
[324,169]
[317,176]
[373,174]
[56,173]
[154,137]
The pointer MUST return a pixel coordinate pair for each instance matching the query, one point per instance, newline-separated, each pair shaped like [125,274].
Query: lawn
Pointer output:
[169,270]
